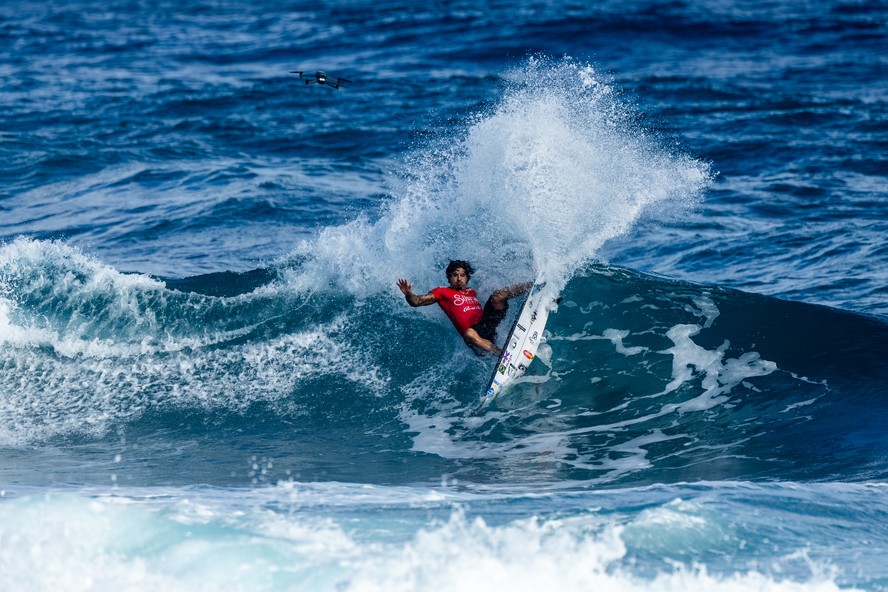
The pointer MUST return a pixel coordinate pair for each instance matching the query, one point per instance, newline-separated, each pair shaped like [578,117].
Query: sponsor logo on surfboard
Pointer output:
[533,337]
[502,369]
[521,327]
[533,316]
[528,355]
[490,392]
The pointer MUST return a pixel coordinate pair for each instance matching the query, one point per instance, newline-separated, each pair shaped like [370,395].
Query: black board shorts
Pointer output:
[490,320]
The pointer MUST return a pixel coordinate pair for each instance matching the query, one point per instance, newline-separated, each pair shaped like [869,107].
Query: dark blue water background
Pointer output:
[197,301]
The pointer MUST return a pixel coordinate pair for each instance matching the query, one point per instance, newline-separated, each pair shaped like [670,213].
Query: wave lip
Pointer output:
[85,348]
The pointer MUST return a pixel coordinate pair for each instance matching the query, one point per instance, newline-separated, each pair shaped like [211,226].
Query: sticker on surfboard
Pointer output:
[521,345]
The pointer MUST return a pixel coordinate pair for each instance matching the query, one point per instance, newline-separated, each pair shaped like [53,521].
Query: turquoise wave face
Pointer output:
[237,378]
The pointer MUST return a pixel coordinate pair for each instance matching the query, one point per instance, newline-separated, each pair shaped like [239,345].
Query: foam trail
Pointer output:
[539,184]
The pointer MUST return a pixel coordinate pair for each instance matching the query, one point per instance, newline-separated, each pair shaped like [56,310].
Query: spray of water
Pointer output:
[535,186]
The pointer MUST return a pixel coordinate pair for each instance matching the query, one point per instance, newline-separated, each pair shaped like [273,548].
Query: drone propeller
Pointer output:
[339,82]
[320,77]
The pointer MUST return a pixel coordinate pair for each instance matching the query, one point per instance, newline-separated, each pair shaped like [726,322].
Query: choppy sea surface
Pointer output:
[210,381]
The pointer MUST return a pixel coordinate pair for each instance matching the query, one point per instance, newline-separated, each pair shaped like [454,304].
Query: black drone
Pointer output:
[322,78]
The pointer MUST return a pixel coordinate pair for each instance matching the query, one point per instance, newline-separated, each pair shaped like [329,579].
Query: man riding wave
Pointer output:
[460,303]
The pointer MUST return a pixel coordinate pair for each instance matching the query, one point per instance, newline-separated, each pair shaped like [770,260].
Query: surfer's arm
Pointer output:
[498,298]
[471,337]
[415,299]
[512,291]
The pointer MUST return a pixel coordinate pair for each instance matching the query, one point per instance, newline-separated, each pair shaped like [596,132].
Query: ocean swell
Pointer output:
[642,379]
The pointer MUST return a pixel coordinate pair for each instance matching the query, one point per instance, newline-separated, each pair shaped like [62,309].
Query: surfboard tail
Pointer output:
[524,338]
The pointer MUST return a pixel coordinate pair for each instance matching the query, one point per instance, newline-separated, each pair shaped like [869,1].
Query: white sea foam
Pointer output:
[719,374]
[193,541]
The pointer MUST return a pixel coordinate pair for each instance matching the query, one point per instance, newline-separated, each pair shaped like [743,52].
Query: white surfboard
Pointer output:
[524,339]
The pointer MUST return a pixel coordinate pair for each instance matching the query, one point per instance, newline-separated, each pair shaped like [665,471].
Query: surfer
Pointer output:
[460,303]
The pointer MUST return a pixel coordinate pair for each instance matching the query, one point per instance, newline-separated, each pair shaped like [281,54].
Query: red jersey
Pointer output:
[461,307]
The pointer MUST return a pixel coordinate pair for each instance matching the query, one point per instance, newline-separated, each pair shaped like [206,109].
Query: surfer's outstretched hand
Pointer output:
[406,287]
[414,299]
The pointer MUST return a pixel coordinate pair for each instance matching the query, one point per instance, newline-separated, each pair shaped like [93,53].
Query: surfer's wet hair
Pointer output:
[465,265]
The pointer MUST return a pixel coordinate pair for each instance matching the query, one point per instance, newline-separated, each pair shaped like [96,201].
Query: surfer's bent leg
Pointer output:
[494,313]
[479,344]
[482,336]
[485,329]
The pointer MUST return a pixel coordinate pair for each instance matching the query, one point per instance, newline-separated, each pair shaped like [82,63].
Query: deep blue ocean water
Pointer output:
[210,381]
